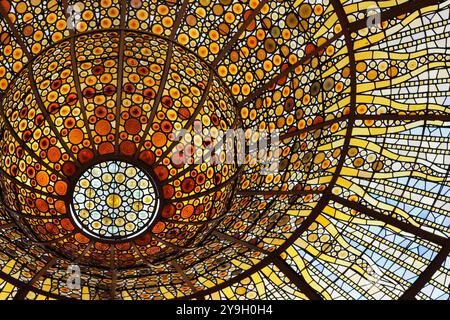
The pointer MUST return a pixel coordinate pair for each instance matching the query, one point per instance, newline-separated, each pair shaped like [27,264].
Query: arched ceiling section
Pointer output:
[359,208]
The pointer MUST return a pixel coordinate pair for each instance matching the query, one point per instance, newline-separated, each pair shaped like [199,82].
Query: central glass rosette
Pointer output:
[100,178]
[114,200]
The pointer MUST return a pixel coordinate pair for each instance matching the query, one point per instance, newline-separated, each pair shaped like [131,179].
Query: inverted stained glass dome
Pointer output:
[105,106]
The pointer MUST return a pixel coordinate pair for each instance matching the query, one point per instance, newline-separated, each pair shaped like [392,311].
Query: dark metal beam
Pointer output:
[141,256]
[19,284]
[193,116]
[405,117]
[278,192]
[7,225]
[180,15]
[22,292]
[76,78]
[27,187]
[84,252]
[312,127]
[45,243]
[225,284]
[191,166]
[44,111]
[15,33]
[296,279]
[260,90]
[113,285]
[234,177]
[120,71]
[183,275]
[158,96]
[11,130]
[327,196]
[350,27]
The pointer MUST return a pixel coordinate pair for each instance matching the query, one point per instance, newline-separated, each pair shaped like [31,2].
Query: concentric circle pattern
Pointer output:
[79,127]
[95,173]
[114,200]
